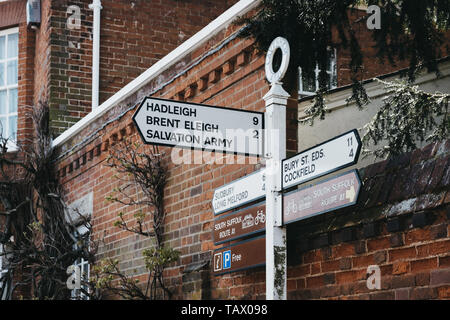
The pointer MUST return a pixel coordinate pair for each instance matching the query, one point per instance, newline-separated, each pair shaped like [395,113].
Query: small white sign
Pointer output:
[239,192]
[330,156]
[195,126]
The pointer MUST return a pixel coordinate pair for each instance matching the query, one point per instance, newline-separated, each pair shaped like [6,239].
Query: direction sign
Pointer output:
[240,223]
[332,155]
[240,256]
[332,194]
[195,126]
[239,192]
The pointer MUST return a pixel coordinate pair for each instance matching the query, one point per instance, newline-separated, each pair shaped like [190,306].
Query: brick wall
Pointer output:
[25,83]
[134,35]
[231,77]
[42,55]
[330,262]
[400,224]
[12,13]
[372,65]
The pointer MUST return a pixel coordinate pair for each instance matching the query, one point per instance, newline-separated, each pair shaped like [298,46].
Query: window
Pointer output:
[83,265]
[9,61]
[309,85]
[3,270]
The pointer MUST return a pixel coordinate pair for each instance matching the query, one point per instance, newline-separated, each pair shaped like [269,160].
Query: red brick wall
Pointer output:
[400,224]
[372,66]
[329,264]
[12,13]
[232,77]
[25,83]
[134,35]
[413,259]
[42,55]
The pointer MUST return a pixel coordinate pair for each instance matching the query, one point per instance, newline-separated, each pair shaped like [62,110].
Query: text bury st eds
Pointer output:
[329,156]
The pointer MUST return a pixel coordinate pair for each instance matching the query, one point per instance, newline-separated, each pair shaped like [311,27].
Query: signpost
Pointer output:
[275,140]
[240,223]
[332,194]
[278,210]
[337,153]
[195,126]
[239,192]
[240,256]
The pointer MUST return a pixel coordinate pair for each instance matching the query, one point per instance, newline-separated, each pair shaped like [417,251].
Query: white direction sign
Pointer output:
[332,155]
[239,192]
[195,126]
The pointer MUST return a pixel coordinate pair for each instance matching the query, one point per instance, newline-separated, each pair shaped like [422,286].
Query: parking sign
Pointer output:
[227,259]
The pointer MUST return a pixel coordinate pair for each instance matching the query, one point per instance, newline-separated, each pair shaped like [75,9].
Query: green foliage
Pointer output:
[157,258]
[411,30]
[408,115]
[102,273]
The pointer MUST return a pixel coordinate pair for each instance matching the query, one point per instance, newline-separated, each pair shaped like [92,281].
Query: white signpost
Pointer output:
[195,126]
[332,155]
[275,139]
[279,174]
[239,192]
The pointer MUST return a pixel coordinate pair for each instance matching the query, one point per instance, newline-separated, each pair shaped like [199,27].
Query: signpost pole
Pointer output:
[275,152]
[276,100]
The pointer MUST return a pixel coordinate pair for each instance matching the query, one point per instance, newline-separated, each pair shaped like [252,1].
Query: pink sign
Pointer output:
[326,196]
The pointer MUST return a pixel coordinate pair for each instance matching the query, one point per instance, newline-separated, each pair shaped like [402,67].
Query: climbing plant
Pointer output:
[136,166]
[39,242]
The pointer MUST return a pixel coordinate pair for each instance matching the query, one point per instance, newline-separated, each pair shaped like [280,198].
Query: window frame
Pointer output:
[77,294]
[331,73]
[12,144]
[2,269]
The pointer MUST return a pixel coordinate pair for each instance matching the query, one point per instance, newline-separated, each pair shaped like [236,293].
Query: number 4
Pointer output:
[350,143]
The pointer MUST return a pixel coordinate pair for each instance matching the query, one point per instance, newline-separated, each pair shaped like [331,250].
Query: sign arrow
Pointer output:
[329,195]
[239,192]
[350,194]
[238,224]
[197,126]
[332,155]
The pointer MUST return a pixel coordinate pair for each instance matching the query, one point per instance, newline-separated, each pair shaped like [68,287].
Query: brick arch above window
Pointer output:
[12,13]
